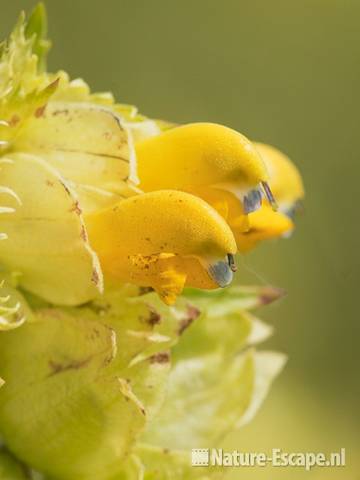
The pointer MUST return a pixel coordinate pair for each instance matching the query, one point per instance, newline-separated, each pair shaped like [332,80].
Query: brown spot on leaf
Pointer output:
[192,314]
[14,120]
[59,367]
[49,183]
[66,188]
[95,277]
[108,360]
[39,112]
[162,357]
[107,135]
[53,85]
[154,317]
[270,294]
[83,235]
[64,111]
[76,208]
[144,290]
[184,324]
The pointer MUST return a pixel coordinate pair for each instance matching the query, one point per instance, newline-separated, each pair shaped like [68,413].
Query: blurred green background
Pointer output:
[286,73]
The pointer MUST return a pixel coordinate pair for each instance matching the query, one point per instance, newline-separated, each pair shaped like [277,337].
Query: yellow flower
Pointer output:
[238,178]
[206,159]
[285,179]
[264,224]
[287,186]
[164,240]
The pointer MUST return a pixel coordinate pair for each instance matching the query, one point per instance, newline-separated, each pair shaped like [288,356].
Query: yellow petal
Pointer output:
[199,155]
[264,224]
[228,206]
[284,177]
[211,161]
[172,284]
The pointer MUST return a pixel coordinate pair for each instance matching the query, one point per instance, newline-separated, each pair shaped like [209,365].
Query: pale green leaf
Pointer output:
[10,469]
[208,396]
[86,143]
[233,299]
[46,237]
[89,399]
[61,400]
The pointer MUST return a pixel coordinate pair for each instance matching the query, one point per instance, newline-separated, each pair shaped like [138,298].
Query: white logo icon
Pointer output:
[200,457]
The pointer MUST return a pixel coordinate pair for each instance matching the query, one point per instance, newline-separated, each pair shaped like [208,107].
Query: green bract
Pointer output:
[10,469]
[95,379]
[101,381]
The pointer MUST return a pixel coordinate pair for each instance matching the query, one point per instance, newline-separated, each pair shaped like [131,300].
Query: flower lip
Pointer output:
[252,201]
[296,208]
[221,272]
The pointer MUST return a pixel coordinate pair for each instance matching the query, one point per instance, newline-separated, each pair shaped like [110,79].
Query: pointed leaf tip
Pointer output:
[37,23]
[36,27]
[270,294]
